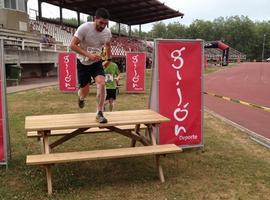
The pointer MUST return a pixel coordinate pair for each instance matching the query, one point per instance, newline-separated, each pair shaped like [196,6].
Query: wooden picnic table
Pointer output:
[137,125]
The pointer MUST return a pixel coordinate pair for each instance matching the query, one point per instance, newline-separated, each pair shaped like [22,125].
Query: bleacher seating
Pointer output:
[62,34]
[215,55]
[120,45]
[19,35]
[234,54]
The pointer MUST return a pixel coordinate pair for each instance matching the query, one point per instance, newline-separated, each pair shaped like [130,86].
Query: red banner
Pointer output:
[67,72]
[135,67]
[2,149]
[180,91]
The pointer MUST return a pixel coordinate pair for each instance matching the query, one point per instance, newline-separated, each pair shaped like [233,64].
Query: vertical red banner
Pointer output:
[4,132]
[67,72]
[2,148]
[180,91]
[135,71]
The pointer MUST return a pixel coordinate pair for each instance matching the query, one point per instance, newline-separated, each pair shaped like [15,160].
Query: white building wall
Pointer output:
[1,3]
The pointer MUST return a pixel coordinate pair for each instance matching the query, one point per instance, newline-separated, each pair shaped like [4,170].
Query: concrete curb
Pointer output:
[254,136]
[21,88]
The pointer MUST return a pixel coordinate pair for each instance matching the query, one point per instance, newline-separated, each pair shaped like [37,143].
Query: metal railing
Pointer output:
[25,44]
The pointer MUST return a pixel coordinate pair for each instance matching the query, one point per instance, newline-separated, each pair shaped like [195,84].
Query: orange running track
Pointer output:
[249,82]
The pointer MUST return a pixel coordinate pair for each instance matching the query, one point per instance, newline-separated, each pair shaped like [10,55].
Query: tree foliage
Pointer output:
[239,32]
[123,29]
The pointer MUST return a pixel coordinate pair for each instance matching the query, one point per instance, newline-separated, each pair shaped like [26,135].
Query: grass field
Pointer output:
[231,166]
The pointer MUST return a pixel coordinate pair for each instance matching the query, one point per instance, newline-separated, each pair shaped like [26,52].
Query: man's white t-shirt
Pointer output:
[91,40]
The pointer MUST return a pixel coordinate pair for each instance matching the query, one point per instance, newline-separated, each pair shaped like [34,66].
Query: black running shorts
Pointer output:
[86,72]
[111,94]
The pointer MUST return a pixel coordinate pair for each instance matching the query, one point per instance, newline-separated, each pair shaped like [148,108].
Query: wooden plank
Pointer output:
[67,137]
[49,178]
[88,131]
[87,120]
[137,131]
[130,134]
[101,154]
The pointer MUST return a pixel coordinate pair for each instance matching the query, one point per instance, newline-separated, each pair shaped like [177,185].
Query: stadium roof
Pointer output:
[130,12]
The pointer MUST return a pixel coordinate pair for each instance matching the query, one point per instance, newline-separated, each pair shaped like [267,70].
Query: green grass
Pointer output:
[214,68]
[231,166]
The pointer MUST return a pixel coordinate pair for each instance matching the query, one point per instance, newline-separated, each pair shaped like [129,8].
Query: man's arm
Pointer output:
[108,50]
[108,54]
[74,45]
[117,79]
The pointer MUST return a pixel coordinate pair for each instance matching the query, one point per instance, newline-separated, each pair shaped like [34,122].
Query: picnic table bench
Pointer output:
[127,123]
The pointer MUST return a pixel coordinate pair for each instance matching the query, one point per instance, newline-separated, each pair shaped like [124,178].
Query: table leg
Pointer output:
[160,170]
[157,157]
[42,145]
[137,130]
[133,143]
[44,141]
[46,144]
[146,135]
[46,150]
[49,178]
[151,135]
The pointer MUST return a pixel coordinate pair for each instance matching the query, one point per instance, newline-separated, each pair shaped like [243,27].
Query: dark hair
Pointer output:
[102,13]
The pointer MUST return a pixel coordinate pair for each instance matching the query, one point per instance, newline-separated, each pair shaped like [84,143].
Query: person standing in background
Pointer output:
[112,76]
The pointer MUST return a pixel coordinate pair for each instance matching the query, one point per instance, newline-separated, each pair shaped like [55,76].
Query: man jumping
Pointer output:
[87,42]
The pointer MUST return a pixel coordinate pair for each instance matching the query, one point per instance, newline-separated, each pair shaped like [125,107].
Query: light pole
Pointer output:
[263,47]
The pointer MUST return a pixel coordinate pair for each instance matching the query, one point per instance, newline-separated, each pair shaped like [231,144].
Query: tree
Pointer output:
[176,31]
[200,29]
[123,29]
[159,30]
[263,36]
[241,34]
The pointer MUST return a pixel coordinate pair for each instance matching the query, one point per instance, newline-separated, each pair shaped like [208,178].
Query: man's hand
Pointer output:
[74,45]
[94,57]
[106,63]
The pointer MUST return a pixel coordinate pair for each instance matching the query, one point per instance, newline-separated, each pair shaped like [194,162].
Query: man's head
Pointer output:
[101,19]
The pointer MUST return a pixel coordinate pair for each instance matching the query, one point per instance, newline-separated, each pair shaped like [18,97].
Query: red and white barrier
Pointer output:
[177,91]
[135,71]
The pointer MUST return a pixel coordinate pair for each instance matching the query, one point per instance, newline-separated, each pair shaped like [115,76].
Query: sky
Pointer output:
[256,10]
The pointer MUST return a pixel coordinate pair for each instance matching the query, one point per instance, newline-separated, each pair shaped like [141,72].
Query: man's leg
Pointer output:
[83,79]
[112,99]
[105,105]
[111,104]
[82,93]
[100,81]
[98,97]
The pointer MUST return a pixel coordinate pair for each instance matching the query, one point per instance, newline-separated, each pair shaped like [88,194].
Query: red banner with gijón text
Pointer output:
[135,69]
[67,72]
[4,132]
[180,91]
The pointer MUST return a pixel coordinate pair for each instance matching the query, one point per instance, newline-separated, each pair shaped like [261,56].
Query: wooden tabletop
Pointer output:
[84,120]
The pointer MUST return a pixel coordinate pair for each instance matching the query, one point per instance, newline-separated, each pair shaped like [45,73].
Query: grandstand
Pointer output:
[30,41]
[22,36]
[63,34]
[214,55]
[60,33]
[23,47]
